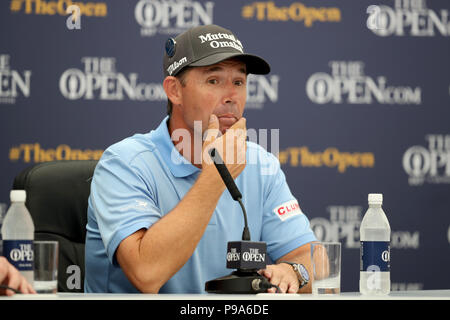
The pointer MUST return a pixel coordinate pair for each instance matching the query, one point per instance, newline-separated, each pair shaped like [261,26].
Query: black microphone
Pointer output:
[231,186]
[225,174]
[246,256]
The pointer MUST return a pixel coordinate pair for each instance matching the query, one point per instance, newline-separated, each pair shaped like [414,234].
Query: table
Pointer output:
[394,295]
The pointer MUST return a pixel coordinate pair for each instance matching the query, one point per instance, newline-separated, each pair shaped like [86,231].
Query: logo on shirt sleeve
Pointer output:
[287,210]
[137,205]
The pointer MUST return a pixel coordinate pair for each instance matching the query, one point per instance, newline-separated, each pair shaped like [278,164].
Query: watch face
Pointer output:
[303,272]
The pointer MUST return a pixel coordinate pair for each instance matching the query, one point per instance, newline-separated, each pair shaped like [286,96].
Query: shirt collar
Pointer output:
[178,165]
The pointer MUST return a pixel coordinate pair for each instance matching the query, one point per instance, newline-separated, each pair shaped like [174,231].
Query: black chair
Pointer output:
[57,196]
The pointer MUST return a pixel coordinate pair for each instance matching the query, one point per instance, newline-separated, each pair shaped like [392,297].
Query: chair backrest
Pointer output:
[57,198]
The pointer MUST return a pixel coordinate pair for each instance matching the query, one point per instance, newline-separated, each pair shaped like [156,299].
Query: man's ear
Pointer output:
[172,87]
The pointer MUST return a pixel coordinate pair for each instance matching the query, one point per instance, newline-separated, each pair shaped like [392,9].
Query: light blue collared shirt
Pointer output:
[142,178]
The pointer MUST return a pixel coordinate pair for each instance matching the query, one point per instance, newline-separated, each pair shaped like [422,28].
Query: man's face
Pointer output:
[219,89]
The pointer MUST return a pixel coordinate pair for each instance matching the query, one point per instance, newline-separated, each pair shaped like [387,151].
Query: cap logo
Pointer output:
[219,40]
[174,66]
[170,47]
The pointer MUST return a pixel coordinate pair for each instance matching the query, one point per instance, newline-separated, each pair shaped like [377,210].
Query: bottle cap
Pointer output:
[18,195]
[375,198]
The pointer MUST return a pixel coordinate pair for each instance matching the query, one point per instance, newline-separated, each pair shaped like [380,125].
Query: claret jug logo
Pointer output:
[101,80]
[430,165]
[343,226]
[261,89]
[348,83]
[408,18]
[171,17]
[13,83]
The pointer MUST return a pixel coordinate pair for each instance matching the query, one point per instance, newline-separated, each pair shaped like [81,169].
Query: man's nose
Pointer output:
[230,93]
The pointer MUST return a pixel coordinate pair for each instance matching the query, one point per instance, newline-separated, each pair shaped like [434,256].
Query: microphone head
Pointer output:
[212,153]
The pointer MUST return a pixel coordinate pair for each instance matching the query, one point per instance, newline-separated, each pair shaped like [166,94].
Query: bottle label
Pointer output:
[19,253]
[375,256]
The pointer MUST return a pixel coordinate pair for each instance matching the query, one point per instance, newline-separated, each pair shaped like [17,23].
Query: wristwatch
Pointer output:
[302,273]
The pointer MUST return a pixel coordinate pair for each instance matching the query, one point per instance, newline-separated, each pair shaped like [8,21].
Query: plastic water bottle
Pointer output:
[375,235]
[18,235]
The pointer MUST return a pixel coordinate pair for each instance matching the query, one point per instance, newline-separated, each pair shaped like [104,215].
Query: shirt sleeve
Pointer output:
[123,202]
[285,226]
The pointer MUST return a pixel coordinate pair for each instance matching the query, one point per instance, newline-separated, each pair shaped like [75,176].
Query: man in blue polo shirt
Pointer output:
[158,217]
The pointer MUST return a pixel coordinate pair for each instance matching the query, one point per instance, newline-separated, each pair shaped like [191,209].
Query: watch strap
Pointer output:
[302,281]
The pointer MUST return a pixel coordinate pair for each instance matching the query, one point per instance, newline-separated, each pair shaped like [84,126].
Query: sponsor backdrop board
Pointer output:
[359,93]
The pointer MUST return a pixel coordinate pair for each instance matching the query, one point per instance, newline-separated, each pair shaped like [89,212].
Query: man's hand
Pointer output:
[231,146]
[10,276]
[283,276]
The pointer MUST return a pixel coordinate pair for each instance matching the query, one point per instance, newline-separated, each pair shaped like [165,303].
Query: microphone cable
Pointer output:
[264,284]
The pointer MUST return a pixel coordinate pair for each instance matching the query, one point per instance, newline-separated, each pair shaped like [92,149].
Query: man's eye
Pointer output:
[239,82]
[212,81]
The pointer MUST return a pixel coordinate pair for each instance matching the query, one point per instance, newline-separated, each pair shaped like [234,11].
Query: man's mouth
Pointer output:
[227,119]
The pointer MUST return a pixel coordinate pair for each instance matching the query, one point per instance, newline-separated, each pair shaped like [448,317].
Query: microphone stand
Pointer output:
[245,279]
